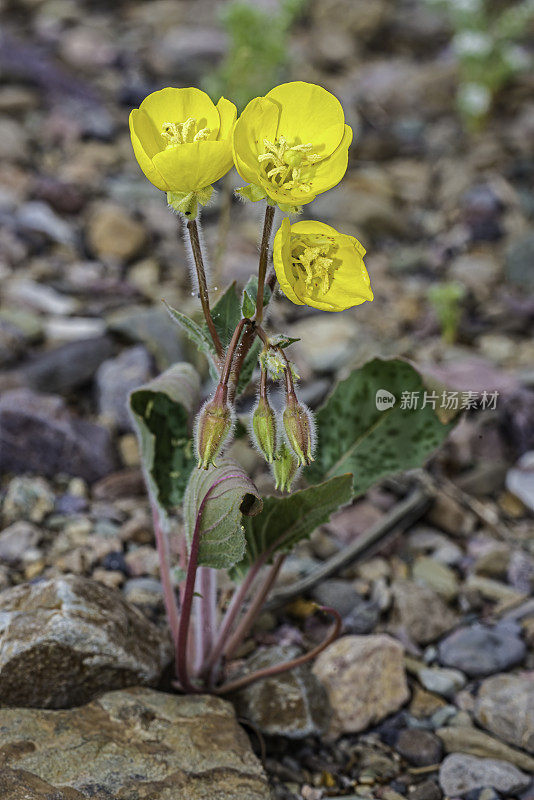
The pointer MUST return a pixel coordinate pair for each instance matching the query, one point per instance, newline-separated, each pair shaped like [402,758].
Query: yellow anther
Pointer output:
[312,260]
[284,164]
[183,132]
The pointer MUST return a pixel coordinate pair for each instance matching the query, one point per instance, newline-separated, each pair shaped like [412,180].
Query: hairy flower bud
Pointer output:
[213,427]
[264,428]
[285,467]
[298,425]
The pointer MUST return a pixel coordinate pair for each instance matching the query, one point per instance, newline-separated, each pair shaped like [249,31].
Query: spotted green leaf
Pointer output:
[372,438]
[163,412]
[284,521]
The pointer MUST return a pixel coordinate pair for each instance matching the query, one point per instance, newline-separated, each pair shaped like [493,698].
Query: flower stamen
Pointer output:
[284,163]
[312,259]
[183,132]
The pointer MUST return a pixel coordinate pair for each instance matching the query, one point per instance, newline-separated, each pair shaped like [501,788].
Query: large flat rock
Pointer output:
[65,640]
[132,744]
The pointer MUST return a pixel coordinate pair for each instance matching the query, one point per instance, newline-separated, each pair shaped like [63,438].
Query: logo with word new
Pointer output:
[384,400]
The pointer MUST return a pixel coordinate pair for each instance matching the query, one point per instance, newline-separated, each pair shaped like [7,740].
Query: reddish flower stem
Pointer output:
[237,602]
[264,257]
[254,609]
[230,353]
[205,615]
[269,672]
[189,591]
[169,596]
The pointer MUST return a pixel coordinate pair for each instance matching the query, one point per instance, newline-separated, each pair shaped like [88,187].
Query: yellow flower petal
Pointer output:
[309,113]
[258,121]
[227,115]
[282,261]
[139,122]
[350,284]
[327,173]
[177,105]
[313,226]
[193,166]
[145,130]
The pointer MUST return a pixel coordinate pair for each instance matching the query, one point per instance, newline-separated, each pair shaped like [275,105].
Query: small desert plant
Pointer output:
[446,299]
[288,146]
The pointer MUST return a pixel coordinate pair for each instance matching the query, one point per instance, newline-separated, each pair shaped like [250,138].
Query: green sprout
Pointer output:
[258,50]
[446,299]
[490,47]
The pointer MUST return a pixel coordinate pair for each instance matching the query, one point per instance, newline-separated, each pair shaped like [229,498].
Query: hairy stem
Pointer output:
[230,353]
[242,353]
[264,257]
[254,609]
[269,672]
[192,228]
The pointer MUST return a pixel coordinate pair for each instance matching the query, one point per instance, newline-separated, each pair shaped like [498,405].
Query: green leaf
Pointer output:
[280,340]
[226,313]
[230,493]
[197,334]
[248,306]
[162,411]
[356,436]
[288,520]
[250,293]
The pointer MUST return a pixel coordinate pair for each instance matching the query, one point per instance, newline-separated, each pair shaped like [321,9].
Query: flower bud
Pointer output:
[264,428]
[213,427]
[298,425]
[274,365]
[285,467]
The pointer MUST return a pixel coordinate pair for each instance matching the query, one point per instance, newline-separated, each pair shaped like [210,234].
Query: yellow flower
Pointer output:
[317,266]
[292,144]
[182,142]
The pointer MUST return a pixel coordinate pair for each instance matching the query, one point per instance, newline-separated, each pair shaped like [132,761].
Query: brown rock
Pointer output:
[421,612]
[18,784]
[134,744]
[465,739]
[505,706]
[16,540]
[420,748]
[292,704]
[451,517]
[364,678]
[65,640]
[112,233]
